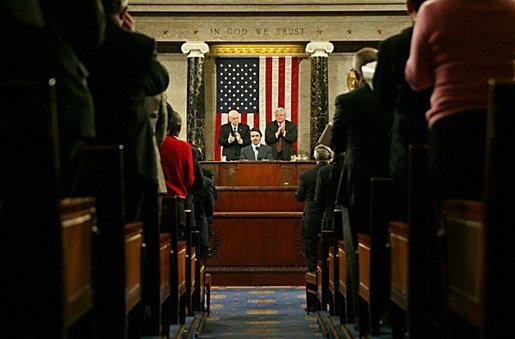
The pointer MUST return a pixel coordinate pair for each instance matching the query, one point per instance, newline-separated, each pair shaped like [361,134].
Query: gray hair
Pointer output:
[363,57]
[323,153]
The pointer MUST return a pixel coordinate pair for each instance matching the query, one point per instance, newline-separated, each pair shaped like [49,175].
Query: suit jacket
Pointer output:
[326,189]
[232,150]
[361,128]
[288,140]
[264,152]
[410,124]
[123,73]
[312,219]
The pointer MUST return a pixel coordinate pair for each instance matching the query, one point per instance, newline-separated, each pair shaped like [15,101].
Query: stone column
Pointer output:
[319,51]
[195,109]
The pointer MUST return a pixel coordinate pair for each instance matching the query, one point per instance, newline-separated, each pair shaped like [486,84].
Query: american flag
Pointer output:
[255,87]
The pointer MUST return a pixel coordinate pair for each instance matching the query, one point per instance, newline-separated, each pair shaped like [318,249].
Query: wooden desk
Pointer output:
[257,173]
[257,224]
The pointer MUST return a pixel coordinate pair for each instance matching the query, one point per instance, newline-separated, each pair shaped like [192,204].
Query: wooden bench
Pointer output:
[78,221]
[334,263]
[170,220]
[399,256]
[31,254]
[415,286]
[117,286]
[191,259]
[164,281]
[373,257]
[346,311]
[323,271]
[478,246]
[312,303]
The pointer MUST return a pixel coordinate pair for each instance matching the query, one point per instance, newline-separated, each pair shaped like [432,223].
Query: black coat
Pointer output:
[123,73]
[288,140]
[361,128]
[312,219]
[326,189]
[409,107]
[232,150]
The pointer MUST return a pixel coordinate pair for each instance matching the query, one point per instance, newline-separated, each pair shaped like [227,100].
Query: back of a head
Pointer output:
[363,57]
[174,122]
[114,6]
[323,153]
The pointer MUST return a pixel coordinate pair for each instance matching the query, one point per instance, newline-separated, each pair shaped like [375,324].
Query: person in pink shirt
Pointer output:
[457,46]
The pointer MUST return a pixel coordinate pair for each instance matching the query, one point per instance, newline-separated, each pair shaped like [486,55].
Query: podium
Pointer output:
[256,228]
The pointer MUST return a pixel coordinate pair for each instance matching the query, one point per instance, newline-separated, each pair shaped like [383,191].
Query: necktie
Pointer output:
[279,144]
[256,153]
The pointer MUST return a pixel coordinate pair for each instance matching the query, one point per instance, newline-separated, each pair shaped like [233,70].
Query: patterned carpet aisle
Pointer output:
[259,312]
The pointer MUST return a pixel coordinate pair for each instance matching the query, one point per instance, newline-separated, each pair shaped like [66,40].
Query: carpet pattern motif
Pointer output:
[259,312]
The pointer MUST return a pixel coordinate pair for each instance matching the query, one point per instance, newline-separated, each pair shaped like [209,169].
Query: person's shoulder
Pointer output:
[345,96]
[324,170]
[245,148]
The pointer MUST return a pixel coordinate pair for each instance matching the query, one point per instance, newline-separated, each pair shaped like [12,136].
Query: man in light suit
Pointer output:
[281,134]
[256,150]
[233,136]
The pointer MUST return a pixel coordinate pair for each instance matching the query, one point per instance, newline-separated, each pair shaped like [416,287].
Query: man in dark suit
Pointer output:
[281,134]
[361,130]
[233,136]
[326,189]
[123,73]
[311,221]
[256,150]
[409,107]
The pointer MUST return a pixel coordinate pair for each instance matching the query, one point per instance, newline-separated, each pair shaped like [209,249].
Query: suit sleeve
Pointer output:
[300,194]
[340,123]
[223,136]
[320,193]
[157,76]
[269,154]
[270,130]
[189,171]
[243,154]
[245,135]
[384,82]
[291,133]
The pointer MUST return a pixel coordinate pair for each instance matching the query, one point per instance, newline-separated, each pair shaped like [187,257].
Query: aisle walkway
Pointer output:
[259,312]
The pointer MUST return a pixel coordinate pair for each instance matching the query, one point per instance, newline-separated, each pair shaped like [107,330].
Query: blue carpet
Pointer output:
[259,312]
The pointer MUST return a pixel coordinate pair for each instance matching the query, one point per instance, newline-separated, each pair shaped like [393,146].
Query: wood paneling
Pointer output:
[257,240]
[257,173]
[257,199]
[399,262]
[133,243]
[77,220]
[464,222]
[257,223]
[164,265]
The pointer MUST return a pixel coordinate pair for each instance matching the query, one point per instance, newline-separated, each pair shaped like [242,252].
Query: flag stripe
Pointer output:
[262,94]
[281,85]
[268,82]
[287,88]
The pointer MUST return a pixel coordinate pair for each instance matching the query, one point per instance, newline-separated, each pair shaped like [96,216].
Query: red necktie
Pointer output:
[279,144]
